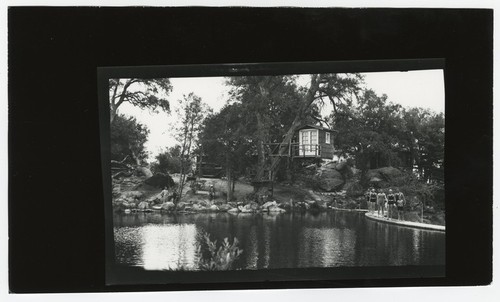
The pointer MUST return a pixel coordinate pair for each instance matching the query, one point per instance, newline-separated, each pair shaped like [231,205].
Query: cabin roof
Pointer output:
[316,127]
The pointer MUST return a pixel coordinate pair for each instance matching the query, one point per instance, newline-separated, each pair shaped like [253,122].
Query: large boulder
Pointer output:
[329,171]
[382,177]
[390,172]
[329,177]
[287,204]
[224,207]
[252,206]
[203,203]
[168,206]
[276,209]
[245,209]
[233,210]
[330,184]
[345,169]
[141,170]
[213,208]
[143,205]
[197,208]
[160,180]
[181,206]
[265,207]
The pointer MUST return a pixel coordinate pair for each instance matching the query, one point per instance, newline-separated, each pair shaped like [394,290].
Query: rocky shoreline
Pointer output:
[218,207]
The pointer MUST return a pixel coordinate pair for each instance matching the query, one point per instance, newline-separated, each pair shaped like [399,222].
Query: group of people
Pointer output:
[380,202]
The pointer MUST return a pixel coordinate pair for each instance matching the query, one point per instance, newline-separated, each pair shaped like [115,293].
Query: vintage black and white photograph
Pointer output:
[282,171]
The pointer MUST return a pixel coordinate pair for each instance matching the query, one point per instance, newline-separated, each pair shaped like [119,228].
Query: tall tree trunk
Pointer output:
[261,156]
[229,179]
[297,122]
[112,113]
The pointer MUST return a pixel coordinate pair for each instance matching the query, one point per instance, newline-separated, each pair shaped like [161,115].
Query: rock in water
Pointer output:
[225,207]
[276,209]
[213,208]
[269,204]
[168,206]
[181,206]
[143,205]
[196,207]
[233,210]
[253,206]
[246,209]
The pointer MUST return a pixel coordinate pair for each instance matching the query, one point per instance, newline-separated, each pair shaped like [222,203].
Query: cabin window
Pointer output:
[327,138]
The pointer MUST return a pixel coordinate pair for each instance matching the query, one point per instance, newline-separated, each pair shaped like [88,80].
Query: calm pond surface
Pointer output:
[157,241]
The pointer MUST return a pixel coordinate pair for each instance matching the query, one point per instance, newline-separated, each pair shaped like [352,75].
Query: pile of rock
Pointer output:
[382,177]
[127,200]
[332,176]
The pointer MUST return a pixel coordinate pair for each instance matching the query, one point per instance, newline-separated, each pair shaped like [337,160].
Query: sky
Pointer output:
[423,88]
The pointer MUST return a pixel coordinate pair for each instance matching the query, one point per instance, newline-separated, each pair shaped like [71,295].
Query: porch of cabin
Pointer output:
[312,150]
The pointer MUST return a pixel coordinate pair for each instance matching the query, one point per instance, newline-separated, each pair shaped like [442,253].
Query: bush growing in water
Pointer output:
[214,258]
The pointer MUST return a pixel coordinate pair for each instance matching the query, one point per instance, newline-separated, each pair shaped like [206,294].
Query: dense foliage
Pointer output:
[127,140]
[377,133]
[168,161]
[262,116]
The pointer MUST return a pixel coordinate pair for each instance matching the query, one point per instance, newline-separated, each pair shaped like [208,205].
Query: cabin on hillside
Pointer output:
[313,141]
[207,169]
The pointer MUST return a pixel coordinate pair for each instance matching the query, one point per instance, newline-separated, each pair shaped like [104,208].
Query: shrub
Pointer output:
[430,193]
[217,258]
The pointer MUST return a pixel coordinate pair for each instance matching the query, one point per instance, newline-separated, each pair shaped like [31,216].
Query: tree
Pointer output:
[227,141]
[127,142]
[337,89]
[378,133]
[371,131]
[143,93]
[272,101]
[191,112]
[424,130]
[168,161]
[280,107]
[127,139]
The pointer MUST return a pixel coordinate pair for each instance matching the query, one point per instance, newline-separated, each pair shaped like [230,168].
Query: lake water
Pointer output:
[157,241]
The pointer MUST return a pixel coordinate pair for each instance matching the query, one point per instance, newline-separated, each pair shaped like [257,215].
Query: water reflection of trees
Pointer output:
[383,244]
[280,240]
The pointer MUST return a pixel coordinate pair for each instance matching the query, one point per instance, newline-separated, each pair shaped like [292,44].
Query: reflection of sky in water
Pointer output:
[252,252]
[168,246]
[326,247]
[159,242]
[158,247]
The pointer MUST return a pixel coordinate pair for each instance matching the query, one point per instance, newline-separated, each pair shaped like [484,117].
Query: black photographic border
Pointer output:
[57,240]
